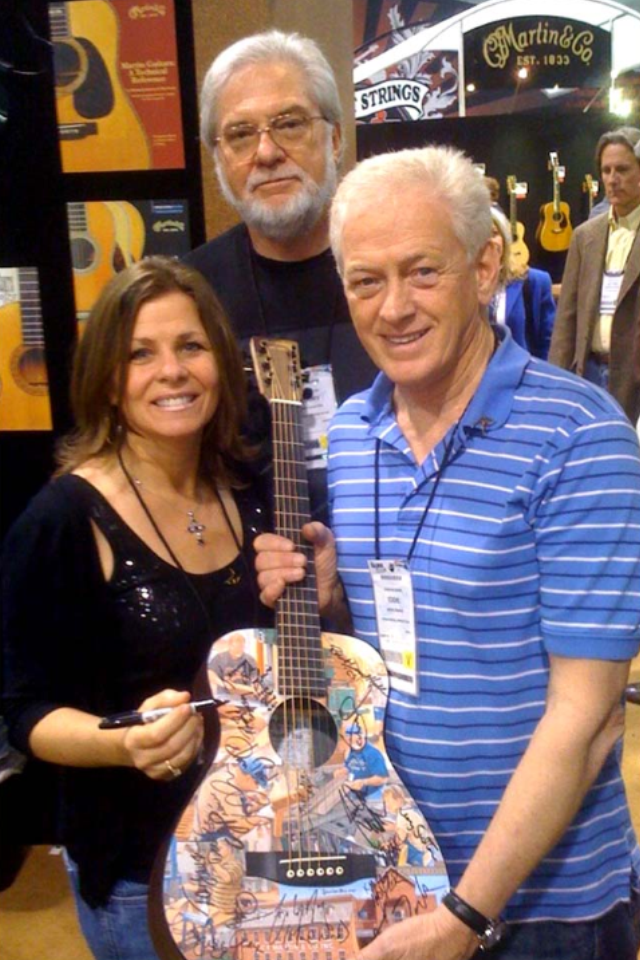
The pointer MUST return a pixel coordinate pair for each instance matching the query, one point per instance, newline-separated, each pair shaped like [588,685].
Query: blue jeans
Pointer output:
[615,936]
[118,930]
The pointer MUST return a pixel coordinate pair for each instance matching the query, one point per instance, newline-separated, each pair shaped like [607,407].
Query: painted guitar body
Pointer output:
[282,851]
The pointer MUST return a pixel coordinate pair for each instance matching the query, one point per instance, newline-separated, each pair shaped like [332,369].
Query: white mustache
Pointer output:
[256,179]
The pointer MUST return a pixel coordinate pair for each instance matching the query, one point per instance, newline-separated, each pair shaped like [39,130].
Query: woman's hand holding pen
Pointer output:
[165,748]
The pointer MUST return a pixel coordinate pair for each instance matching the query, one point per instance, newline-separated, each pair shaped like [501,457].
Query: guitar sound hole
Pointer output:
[66,64]
[83,253]
[303,733]
[29,369]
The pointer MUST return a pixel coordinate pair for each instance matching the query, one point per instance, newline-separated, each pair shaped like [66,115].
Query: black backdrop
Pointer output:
[512,144]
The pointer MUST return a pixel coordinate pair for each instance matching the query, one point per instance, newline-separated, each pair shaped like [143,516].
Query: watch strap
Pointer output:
[465,912]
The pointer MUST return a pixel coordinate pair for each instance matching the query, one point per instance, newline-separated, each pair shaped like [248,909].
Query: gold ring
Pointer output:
[174,771]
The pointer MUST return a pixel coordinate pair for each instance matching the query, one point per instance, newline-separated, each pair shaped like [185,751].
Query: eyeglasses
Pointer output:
[286,130]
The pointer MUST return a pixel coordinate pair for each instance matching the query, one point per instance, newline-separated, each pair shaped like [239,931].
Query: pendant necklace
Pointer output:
[194,527]
[234,577]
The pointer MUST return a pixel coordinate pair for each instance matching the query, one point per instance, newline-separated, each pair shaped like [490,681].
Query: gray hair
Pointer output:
[271,47]
[624,136]
[443,172]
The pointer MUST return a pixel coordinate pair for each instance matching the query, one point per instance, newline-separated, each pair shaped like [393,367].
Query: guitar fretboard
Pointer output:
[300,659]
[77,217]
[59,21]
[30,309]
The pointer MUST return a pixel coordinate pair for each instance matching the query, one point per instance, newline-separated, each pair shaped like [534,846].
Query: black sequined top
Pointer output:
[72,639]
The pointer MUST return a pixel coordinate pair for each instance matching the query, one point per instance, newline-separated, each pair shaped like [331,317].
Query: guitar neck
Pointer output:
[77,217]
[59,21]
[556,191]
[513,215]
[301,667]
[30,309]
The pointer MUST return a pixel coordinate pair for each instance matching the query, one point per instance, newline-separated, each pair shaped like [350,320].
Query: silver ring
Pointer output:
[174,771]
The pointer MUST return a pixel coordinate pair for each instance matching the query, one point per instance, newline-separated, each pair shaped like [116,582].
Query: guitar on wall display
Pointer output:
[519,249]
[300,840]
[98,127]
[554,230]
[24,384]
[590,187]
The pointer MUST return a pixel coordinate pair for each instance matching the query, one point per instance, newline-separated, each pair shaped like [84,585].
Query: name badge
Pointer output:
[395,616]
[609,292]
[318,407]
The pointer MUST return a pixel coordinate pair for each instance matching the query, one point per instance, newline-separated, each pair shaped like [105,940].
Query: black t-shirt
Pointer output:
[302,301]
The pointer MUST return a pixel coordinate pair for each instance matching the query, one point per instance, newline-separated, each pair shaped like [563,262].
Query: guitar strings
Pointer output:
[293,630]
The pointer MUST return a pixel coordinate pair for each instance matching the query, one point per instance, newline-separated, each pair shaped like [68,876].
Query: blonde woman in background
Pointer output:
[523,302]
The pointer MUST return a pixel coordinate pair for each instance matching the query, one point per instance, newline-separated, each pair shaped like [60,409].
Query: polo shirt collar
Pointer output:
[488,409]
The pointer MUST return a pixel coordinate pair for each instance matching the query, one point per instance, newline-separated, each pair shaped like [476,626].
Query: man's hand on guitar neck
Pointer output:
[278,563]
[429,936]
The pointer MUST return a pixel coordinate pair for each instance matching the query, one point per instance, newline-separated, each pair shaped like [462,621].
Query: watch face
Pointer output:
[493,934]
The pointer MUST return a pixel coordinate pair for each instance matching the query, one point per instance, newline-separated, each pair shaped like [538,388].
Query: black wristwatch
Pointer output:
[489,932]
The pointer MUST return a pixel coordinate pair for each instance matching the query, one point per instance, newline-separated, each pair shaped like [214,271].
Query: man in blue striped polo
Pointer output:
[485,509]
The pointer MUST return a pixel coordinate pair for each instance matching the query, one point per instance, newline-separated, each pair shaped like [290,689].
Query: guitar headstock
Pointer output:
[511,185]
[553,161]
[276,364]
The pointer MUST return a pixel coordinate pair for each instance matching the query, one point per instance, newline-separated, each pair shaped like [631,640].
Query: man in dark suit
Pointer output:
[596,333]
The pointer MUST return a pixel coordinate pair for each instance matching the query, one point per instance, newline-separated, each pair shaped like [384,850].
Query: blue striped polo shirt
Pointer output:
[531,547]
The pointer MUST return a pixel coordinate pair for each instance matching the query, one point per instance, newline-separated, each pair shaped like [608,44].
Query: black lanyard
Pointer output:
[376,495]
[328,346]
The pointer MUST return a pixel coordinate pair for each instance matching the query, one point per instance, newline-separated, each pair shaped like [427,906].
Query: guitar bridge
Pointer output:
[304,869]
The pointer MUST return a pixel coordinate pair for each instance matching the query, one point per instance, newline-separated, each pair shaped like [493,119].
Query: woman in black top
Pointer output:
[122,572]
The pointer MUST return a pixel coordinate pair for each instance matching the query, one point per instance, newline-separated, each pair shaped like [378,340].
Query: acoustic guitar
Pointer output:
[98,127]
[24,384]
[300,840]
[519,249]
[554,230]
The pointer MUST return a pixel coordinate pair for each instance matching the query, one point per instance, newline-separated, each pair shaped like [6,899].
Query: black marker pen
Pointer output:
[134,718]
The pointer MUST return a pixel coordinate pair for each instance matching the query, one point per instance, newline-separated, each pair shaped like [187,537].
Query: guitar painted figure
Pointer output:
[554,230]
[300,841]
[98,127]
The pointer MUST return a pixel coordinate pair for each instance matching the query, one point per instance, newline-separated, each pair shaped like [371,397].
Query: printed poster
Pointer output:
[117,85]
[24,383]
[108,235]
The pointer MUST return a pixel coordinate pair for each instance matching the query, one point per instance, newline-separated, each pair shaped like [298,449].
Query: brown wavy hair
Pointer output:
[101,364]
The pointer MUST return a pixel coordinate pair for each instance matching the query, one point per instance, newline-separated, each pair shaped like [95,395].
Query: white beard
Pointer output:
[297,215]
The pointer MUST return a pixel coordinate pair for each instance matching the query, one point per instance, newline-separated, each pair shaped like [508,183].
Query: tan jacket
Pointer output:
[579,308]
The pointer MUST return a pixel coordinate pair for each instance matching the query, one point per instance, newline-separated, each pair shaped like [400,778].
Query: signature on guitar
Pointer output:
[300,839]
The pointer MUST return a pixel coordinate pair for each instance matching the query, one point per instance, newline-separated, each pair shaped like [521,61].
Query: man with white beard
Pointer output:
[271,116]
